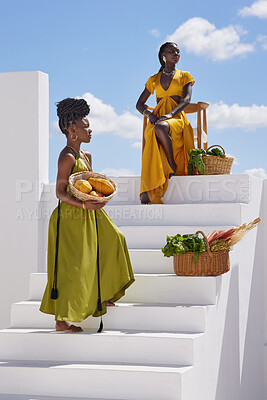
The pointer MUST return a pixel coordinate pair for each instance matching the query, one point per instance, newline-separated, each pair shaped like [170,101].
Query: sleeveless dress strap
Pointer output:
[87,159]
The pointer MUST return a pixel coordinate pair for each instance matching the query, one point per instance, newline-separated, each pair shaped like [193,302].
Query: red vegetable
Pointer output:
[216,235]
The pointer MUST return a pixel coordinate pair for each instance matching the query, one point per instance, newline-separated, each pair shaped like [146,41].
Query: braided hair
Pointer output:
[69,111]
[161,50]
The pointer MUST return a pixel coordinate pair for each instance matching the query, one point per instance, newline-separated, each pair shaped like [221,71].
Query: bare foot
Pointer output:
[145,198]
[63,326]
[109,303]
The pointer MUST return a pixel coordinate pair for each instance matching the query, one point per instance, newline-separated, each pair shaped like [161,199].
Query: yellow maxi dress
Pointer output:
[77,279]
[155,167]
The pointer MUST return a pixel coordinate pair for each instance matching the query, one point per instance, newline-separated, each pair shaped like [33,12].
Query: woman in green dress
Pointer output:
[77,274]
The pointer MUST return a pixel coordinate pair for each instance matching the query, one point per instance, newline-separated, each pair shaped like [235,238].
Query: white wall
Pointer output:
[24,102]
[264,243]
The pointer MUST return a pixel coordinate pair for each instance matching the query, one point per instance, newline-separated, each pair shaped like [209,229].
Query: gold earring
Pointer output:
[164,58]
[76,137]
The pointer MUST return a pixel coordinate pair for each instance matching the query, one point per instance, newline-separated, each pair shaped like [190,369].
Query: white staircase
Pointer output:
[169,337]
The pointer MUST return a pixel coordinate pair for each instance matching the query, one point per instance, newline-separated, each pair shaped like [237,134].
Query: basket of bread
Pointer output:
[88,185]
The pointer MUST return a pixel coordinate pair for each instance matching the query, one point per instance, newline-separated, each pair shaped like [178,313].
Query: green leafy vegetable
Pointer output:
[180,244]
[215,152]
[196,161]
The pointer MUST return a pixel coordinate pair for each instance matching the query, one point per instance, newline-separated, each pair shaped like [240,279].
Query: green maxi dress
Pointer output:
[77,279]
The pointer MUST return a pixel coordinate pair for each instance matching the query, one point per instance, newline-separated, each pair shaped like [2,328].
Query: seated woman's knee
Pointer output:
[162,126]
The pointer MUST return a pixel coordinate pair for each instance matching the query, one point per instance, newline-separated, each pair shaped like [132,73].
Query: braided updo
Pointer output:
[161,50]
[69,111]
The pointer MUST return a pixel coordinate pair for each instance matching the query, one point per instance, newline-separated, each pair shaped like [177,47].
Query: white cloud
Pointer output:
[257,9]
[154,32]
[259,172]
[117,172]
[137,145]
[105,120]
[223,116]
[262,39]
[202,38]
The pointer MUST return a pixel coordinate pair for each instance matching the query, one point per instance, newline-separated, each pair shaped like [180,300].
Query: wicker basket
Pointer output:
[208,263]
[217,165]
[83,196]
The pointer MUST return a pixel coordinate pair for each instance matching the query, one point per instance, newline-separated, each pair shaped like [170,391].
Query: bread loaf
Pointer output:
[101,185]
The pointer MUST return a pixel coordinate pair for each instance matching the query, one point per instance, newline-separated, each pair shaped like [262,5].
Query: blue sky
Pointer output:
[105,51]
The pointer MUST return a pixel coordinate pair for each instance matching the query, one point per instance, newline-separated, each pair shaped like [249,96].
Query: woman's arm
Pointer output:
[185,100]
[140,105]
[65,166]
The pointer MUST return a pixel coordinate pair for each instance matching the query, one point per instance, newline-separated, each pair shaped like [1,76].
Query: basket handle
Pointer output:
[207,243]
[216,145]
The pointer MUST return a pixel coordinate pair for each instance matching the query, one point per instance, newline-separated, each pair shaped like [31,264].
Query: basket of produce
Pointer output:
[206,255]
[213,161]
[88,185]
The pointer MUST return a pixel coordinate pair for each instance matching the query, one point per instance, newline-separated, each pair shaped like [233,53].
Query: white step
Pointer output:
[150,261]
[108,381]
[171,289]
[123,346]
[154,237]
[153,317]
[154,288]
[175,214]
[36,397]
[234,188]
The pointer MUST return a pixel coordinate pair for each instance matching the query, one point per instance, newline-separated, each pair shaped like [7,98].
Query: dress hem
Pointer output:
[104,311]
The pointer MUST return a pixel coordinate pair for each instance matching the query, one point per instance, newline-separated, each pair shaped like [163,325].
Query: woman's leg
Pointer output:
[162,130]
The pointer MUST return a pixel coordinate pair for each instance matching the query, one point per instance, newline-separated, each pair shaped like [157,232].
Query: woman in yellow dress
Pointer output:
[82,245]
[168,136]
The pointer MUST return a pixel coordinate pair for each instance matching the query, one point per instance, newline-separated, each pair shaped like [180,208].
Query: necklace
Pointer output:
[73,150]
[169,73]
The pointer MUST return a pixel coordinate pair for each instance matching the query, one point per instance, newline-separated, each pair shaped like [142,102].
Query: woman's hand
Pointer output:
[93,205]
[153,119]
[164,117]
